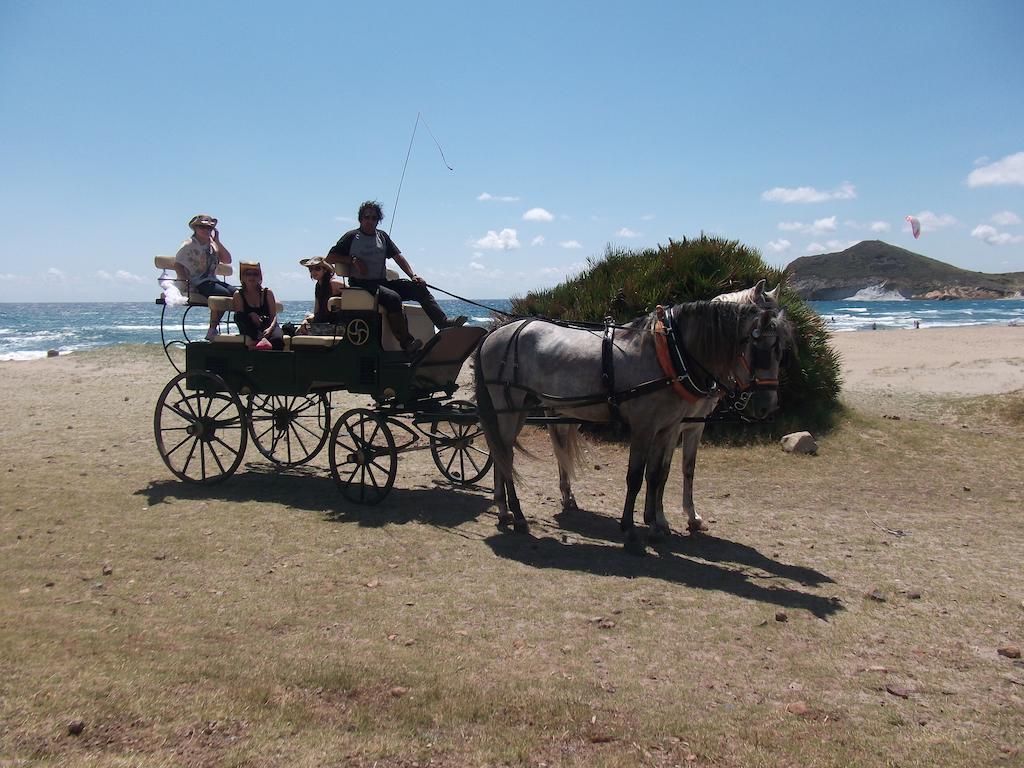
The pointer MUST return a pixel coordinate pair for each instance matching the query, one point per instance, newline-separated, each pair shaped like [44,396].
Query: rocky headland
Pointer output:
[873,266]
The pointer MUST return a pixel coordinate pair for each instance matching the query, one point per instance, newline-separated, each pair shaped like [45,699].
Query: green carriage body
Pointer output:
[332,363]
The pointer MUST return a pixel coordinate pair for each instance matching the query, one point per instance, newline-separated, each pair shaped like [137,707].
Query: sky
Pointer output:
[570,127]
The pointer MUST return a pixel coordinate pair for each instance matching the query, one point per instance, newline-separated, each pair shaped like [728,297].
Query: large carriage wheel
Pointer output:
[289,429]
[459,449]
[364,461]
[200,432]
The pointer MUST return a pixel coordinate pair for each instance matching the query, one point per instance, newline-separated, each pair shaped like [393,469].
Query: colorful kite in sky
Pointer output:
[915,226]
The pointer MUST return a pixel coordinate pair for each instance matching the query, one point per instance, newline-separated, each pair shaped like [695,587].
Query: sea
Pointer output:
[31,331]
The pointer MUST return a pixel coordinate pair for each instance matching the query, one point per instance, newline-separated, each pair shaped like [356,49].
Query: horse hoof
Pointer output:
[659,533]
[521,526]
[697,526]
[504,522]
[634,546]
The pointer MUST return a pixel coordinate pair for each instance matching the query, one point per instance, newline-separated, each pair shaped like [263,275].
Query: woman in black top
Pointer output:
[256,308]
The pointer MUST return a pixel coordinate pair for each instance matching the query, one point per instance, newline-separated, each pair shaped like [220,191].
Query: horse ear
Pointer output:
[773,294]
[759,286]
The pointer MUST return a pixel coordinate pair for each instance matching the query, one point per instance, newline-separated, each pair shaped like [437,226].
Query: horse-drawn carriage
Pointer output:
[226,394]
[664,375]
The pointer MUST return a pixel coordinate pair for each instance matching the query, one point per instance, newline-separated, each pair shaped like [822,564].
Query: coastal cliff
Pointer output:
[876,266]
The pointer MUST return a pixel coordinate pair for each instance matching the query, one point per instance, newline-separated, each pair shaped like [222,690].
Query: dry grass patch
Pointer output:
[264,621]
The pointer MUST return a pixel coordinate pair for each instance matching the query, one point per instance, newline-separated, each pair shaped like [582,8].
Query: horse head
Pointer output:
[767,336]
[756,295]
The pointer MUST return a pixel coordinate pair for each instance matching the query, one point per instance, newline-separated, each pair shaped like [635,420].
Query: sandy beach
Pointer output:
[973,360]
[856,607]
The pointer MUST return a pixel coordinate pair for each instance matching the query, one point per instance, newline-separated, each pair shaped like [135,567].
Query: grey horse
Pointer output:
[532,365]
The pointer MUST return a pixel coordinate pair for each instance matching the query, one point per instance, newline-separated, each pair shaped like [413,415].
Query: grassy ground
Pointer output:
[845,609]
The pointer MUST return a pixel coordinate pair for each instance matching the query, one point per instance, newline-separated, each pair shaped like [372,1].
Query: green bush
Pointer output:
[626,284]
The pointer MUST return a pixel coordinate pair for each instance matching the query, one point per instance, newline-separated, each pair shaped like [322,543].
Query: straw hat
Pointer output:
[244,265]
[317,261]
[202,220]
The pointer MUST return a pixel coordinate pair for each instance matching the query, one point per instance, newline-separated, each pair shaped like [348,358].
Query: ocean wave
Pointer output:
[24,355]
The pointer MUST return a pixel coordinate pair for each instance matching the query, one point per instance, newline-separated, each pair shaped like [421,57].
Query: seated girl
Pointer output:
[327,285]
[256,309]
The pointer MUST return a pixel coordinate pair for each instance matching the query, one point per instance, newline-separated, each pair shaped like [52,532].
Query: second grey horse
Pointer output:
[532,364]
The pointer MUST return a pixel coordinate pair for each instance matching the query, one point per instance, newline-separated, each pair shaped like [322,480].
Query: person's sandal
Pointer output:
[459,321]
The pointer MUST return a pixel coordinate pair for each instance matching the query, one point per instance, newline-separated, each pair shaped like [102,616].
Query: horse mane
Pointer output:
[714,332]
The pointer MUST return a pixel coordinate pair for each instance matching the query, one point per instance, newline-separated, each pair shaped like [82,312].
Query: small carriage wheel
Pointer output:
[363,458]
[289,429]
[200,428]
[358,331]
[460,450]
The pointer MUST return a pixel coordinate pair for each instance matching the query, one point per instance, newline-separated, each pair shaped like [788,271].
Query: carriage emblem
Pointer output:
[358,332]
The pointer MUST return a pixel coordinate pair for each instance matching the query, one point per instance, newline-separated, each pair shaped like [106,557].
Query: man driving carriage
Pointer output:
[365,250]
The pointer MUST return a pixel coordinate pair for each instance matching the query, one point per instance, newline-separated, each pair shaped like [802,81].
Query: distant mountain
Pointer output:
[878,268]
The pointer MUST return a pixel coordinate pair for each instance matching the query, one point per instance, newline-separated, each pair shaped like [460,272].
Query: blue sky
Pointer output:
[794,127]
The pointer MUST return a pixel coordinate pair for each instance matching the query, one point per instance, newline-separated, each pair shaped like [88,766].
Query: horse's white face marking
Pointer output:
[756,295]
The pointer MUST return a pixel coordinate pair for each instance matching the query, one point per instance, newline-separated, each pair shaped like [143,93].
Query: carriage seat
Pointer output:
[166,263]
[359,300]
[223,303]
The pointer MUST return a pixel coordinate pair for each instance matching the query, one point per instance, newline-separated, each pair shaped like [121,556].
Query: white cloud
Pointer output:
[879,226]
[8,277]
[845,191]
[820,226]
[124,276]
[1008,170]
[54,272]
[627,232]
[485,196]
[538,214]
[571,244]
[993,236]
[476,265]
[1006,218]
[931,220]
[498,241]
[551,271]
[779,246]
[815,247]
[538,240]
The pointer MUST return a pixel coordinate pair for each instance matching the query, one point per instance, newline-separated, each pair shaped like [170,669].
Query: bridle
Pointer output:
[761,357]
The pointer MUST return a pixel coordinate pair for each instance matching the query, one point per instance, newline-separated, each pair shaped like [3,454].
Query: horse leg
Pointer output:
[509,511]
[501,499]
[659,464]
[634,479]
[519,524]
[691,441]
[563,441]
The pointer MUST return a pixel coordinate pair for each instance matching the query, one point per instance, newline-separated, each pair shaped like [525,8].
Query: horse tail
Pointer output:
[501,453]
[567,447]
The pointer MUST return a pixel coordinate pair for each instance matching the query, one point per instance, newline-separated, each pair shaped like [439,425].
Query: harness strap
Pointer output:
[513,346]
[665,360]
[577,402]
[608,367]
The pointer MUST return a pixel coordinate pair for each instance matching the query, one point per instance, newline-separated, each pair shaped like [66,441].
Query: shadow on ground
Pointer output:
[307,488]
[693,561]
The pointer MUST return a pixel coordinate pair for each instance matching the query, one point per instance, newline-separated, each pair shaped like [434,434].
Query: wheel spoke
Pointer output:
[213,453]
[185,440]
